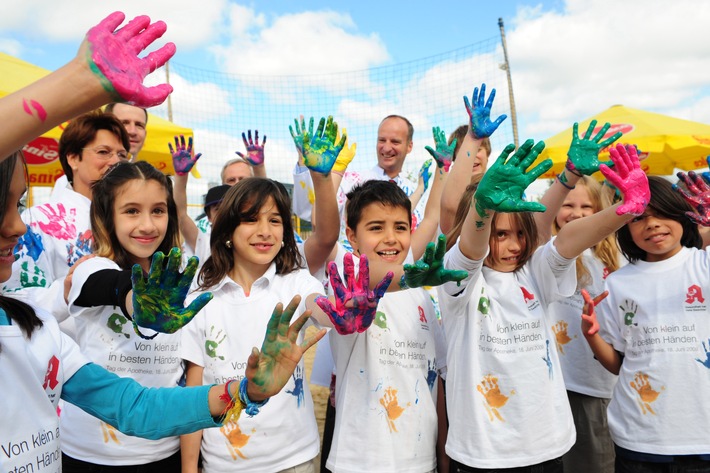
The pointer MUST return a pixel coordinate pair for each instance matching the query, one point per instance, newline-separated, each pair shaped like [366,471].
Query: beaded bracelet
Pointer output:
[564,183]
[251,407]
[570,167]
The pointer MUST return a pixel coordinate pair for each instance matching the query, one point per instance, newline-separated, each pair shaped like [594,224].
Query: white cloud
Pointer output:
[10,46]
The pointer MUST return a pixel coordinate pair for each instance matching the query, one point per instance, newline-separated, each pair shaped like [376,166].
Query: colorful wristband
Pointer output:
[570,167]
[251,407]
[564,183]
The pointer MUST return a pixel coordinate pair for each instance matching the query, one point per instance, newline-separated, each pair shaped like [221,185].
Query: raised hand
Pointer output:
[300,132]
[502,186]
[590,325]
[270,369]
[356,304]
[158,301]
[583,154]
[183,158]
[347,154]
[320,149]
[429,270]
[425,174]
[697,195]
[255,151]
[113,57]
[444,153]
[479,113]
[629,178]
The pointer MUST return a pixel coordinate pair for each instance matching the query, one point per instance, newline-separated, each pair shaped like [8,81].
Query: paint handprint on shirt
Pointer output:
[30,244]
[706,349]
[392,408]
[484,304]
[297,391]
[81,247]
[629,308]
[109,433]
[431,374]
[236,440]
[32,277]
[494,399]
[116,322]
[213,342]
[381,320]
[548,360]
[60,224]
[562,338]
[646,394]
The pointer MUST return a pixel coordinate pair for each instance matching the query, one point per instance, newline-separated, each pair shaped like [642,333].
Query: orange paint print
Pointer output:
[562,338]
[494,399]
[646,394]
[391,404]
[109,433]
[236,439]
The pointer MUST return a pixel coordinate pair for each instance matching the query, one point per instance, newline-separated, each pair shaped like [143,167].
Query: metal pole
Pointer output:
[170,101]
[506,67]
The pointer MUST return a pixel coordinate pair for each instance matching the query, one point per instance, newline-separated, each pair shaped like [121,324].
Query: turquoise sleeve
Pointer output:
[133,409]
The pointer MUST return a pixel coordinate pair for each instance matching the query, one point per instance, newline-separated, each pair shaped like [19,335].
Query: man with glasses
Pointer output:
[59,231]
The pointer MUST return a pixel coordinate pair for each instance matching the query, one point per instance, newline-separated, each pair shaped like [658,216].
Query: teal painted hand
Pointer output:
[158,301]
[502,186]
[629,178]
[425,174]
[479,113]
[183,159]
[270,369]
[300,132]
[255,151]
[583,154]
[444,153]
[429,270]
[320,149]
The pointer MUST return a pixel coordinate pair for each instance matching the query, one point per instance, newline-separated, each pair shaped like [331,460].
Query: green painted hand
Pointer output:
[583,154]
[320,150]
[429,270]
[269,370]
[444,153]
[158,301]
[502,186]
[299,132]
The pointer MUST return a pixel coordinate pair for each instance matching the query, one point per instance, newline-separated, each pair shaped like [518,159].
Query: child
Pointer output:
[654,333]
[517,418]
[43,365]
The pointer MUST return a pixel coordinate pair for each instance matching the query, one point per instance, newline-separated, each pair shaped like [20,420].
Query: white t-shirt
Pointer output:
[33,373]
[107,338]
[220,339]
[386,388]
[657,315]
[581,371]
[505,394]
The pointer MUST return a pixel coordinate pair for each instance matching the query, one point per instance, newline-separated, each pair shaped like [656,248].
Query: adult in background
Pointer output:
[135,120]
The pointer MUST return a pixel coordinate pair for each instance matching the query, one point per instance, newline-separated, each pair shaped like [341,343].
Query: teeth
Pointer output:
[389,253]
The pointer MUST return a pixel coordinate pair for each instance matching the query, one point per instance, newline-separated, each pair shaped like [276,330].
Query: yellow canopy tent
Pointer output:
[665,142]
[42,153]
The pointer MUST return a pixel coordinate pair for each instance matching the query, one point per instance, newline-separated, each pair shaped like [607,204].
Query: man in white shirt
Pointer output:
[135,120]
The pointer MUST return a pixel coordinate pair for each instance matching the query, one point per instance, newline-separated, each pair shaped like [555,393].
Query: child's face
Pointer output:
[507,244]
[577,204]
[141,218]
[256,243]
[12,227]
[480,162]
[383,233]
[658,236]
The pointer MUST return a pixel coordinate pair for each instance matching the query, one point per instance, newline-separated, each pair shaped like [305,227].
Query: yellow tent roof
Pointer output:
[665,142]
[41,154]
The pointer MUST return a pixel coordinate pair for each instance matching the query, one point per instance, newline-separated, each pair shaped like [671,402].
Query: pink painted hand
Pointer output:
[590,325]
[356,304]
[113,57]
[183,158]
[629,178]
[697,195]
[255,151]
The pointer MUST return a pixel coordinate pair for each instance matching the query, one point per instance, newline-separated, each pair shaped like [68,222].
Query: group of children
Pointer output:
[529,367]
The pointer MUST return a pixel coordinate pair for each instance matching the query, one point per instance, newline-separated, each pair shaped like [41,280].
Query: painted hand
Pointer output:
[502,186]
[255,151]
[425,174]
[583,154]
[113,57]
[429,270]
[590,325]
[320,149]
[183,158]
[629,178]
[299,133]
[270,369]
[479,113]
[444,153]
[356,304]
[347,154]
[158,301]
[697,195]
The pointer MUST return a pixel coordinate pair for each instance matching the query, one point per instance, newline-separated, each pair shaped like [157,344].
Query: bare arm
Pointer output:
[188,228]
[457,181]
[320,244]
[552,199]
[426,230]
[583,233]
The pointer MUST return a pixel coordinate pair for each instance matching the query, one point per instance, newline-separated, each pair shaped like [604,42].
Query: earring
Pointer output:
[228,244]
[282,243]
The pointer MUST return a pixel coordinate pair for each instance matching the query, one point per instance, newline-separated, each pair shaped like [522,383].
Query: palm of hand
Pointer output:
[430,270]
[319,154]
[584,155]
[255,155]
[481,124]
[502,190]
